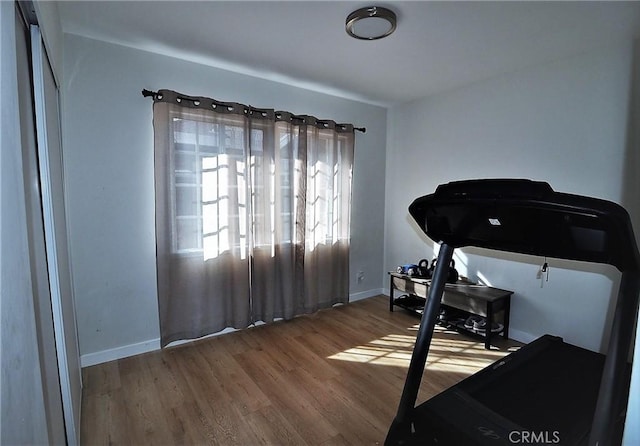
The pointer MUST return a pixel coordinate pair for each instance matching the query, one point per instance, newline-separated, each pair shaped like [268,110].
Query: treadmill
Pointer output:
[549,391]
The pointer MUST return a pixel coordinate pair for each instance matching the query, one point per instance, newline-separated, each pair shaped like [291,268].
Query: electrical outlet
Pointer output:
[360,276]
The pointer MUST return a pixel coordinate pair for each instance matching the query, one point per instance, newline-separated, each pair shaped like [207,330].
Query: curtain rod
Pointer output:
[152,94]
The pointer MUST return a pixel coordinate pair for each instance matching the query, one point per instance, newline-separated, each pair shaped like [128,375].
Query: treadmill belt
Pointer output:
[555,391]
[546,387]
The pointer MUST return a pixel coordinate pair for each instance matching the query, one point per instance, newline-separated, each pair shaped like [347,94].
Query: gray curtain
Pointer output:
[252,214]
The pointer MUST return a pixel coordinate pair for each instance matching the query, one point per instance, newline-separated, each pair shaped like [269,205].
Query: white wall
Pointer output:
[632,192]
[564,123]
[108,157]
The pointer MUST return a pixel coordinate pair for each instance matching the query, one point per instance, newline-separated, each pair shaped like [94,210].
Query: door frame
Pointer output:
[38,56]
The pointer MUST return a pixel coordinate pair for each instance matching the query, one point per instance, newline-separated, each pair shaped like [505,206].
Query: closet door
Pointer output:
[37,252]
[50,164]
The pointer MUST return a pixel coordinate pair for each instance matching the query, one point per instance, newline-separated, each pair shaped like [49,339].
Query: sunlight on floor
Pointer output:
[449,352]
[394,350]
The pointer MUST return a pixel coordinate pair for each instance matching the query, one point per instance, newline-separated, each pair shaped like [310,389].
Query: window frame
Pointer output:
[222,148]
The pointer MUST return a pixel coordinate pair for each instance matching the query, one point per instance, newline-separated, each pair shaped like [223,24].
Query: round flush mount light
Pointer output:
[371,23]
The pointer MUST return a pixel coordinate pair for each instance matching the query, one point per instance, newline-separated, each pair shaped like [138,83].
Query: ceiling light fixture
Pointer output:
[371,23]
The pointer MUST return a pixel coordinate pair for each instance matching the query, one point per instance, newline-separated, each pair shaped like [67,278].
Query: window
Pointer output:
[252,214]
[209,190]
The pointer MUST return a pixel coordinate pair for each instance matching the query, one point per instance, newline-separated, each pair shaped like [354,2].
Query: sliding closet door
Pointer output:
[49,151]
[35,230]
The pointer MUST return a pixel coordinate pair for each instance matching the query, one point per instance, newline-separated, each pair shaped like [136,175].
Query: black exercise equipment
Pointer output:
[549,391]
[424,270]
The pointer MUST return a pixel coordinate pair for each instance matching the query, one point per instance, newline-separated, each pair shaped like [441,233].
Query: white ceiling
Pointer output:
[438,46]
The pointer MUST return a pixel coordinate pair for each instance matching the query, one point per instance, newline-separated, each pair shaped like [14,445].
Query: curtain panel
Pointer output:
[252,214]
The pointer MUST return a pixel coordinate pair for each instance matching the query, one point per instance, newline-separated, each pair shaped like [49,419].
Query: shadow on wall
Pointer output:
[428,243]
[536,261]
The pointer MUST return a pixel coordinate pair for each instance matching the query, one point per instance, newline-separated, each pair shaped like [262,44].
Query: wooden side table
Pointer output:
[479,300]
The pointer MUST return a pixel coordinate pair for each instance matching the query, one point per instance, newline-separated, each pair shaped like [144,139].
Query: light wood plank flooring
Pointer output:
[331,378]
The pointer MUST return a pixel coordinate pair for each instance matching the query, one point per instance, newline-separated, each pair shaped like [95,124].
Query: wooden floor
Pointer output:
[331,378]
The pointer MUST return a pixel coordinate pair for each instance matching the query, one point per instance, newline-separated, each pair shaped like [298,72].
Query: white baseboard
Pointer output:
[154,344]
[365,294]
[119,352]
